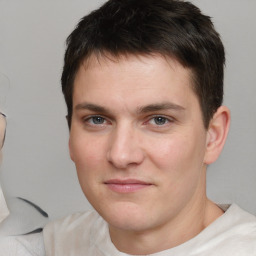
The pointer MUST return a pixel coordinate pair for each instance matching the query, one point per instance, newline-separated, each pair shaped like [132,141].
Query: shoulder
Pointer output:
[234,233]
[25,245]
[239,217]
[71,232]
[241,225]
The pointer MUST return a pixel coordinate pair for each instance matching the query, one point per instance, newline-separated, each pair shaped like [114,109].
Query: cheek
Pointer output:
[88,156]
[178,156]
[168,152]
[179,162]
[89,162]
[85,149]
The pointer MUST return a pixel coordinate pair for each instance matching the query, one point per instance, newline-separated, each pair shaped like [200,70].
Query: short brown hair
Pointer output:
[172,28]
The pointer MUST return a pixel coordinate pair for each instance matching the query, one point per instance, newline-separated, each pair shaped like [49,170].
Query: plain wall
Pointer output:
[36,161]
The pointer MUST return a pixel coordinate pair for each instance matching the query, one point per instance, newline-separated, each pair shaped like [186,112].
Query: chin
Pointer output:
[126,216]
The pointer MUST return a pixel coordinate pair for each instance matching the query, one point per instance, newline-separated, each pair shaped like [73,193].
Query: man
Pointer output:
[143,83]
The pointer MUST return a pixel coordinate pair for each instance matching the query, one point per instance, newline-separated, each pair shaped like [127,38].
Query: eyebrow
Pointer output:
[140,110]
[92,107]
[160,106]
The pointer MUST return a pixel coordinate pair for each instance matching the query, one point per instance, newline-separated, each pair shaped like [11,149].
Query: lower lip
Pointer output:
[126,188]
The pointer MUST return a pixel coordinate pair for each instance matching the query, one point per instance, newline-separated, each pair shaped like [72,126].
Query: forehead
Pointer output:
[106,61]
[134,77]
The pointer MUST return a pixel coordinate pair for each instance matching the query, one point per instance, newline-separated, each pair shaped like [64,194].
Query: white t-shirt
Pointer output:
[232,234]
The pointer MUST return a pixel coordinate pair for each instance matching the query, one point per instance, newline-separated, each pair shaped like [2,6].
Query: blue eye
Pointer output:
[160,120]
[97,120]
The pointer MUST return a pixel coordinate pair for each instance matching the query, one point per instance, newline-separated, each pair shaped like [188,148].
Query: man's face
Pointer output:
[138,141]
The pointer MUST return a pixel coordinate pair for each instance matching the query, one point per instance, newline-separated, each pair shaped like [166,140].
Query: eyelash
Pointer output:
[164,118]
[89,120]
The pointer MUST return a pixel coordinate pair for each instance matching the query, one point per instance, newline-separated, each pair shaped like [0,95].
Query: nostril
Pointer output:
[124,149]
[123,159]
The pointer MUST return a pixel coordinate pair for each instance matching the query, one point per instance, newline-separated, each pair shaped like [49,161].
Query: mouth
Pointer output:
[127,185]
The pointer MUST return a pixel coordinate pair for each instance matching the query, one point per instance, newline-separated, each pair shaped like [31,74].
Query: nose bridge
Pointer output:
[124,146]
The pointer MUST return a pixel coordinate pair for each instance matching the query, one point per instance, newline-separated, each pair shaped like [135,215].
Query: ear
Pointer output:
[217,134]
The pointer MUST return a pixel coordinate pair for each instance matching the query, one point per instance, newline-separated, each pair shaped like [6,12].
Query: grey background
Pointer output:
[36,161]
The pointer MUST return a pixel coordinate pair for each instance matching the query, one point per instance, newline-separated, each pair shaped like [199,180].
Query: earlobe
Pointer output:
[217,134]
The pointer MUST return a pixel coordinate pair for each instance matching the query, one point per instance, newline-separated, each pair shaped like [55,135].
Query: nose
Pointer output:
[125,148]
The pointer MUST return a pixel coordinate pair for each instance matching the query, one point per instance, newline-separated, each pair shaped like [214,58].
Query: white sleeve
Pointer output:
[27,245]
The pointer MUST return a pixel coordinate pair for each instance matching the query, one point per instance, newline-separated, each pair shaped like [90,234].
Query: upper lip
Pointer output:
[126,181]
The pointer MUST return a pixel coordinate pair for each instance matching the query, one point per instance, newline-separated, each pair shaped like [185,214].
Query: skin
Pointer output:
[137,120]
